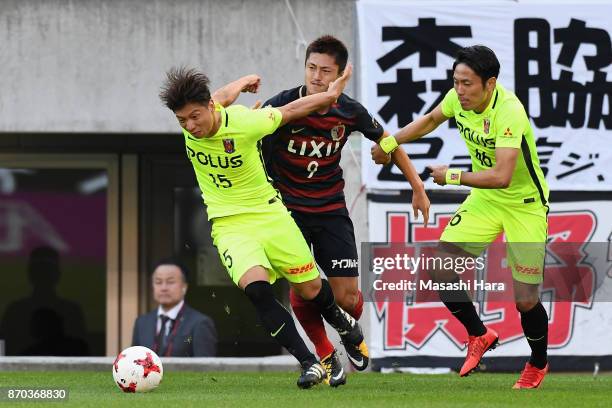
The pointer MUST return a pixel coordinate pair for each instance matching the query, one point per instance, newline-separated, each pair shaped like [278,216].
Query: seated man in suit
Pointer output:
[174,329]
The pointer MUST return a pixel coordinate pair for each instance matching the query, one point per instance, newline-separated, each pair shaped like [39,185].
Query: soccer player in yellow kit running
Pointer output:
[256,237]
[509,194]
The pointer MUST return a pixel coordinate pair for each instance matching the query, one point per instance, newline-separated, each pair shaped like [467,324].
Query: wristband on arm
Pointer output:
[388,144]
[453,176]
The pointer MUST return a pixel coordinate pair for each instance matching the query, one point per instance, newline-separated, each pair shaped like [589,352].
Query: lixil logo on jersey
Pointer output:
[228,145]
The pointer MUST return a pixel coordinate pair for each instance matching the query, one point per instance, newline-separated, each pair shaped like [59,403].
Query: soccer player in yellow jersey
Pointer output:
[303,160]
[509,194]
[256,237]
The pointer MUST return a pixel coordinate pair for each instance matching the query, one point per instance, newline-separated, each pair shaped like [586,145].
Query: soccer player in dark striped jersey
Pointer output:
[303,159]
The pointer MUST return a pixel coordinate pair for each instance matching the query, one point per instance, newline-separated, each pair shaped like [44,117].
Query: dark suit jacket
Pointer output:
[195,335]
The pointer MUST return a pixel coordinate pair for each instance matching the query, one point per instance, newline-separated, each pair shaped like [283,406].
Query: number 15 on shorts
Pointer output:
[227,259]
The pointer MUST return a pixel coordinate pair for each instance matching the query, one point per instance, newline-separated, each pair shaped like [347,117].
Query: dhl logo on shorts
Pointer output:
[528,270]
[301,269]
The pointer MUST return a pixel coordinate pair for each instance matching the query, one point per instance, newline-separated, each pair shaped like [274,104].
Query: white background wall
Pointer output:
[96,65]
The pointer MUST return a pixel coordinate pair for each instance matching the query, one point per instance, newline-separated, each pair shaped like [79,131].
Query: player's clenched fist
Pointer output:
[251,83]
[439,174]
[379,156]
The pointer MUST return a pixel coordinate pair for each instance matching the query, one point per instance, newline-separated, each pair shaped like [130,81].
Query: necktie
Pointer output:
[162,336]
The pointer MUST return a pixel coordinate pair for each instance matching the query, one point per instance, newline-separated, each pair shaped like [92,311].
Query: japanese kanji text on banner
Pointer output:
[558,61]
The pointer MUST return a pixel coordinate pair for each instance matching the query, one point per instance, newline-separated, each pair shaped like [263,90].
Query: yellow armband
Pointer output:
[388,144]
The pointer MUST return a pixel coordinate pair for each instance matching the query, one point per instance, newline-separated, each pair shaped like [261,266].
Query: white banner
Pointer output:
[557,59]
[577,328]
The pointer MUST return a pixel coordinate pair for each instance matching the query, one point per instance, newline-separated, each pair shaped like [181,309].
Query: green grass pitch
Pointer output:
[276,390]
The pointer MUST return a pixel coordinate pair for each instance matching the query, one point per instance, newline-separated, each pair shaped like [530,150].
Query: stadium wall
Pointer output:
[96,66]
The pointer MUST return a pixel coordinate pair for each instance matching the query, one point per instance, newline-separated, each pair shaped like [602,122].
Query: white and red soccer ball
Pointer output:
[137,369]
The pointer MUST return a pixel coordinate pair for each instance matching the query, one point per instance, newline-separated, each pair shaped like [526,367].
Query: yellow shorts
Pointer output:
[270,239]
[478,222]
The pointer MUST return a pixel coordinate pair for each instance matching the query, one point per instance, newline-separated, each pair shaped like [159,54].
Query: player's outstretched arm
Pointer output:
[421,126]
[420,201]
[304,106]
[412,131]
[227,94]
[499,176]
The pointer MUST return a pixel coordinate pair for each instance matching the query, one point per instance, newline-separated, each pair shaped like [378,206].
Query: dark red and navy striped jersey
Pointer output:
[303,157]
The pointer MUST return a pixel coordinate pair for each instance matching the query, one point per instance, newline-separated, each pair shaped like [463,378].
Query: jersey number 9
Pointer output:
[312,168]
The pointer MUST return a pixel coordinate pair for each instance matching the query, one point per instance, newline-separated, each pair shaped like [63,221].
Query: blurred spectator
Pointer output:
[47,329]
[174,329]
[43,323]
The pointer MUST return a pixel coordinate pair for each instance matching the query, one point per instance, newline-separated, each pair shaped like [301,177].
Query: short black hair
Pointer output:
[174,262]
[330,45]
[481,59]
[182,86]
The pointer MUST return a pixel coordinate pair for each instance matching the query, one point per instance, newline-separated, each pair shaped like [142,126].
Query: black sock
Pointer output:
[331,312]
[461,306]
[278,321]
[535,327]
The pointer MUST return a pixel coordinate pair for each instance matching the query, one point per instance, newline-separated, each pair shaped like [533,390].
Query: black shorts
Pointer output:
[332,239]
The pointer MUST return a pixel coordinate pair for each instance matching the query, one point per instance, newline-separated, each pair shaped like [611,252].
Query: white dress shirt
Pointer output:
[172,314]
